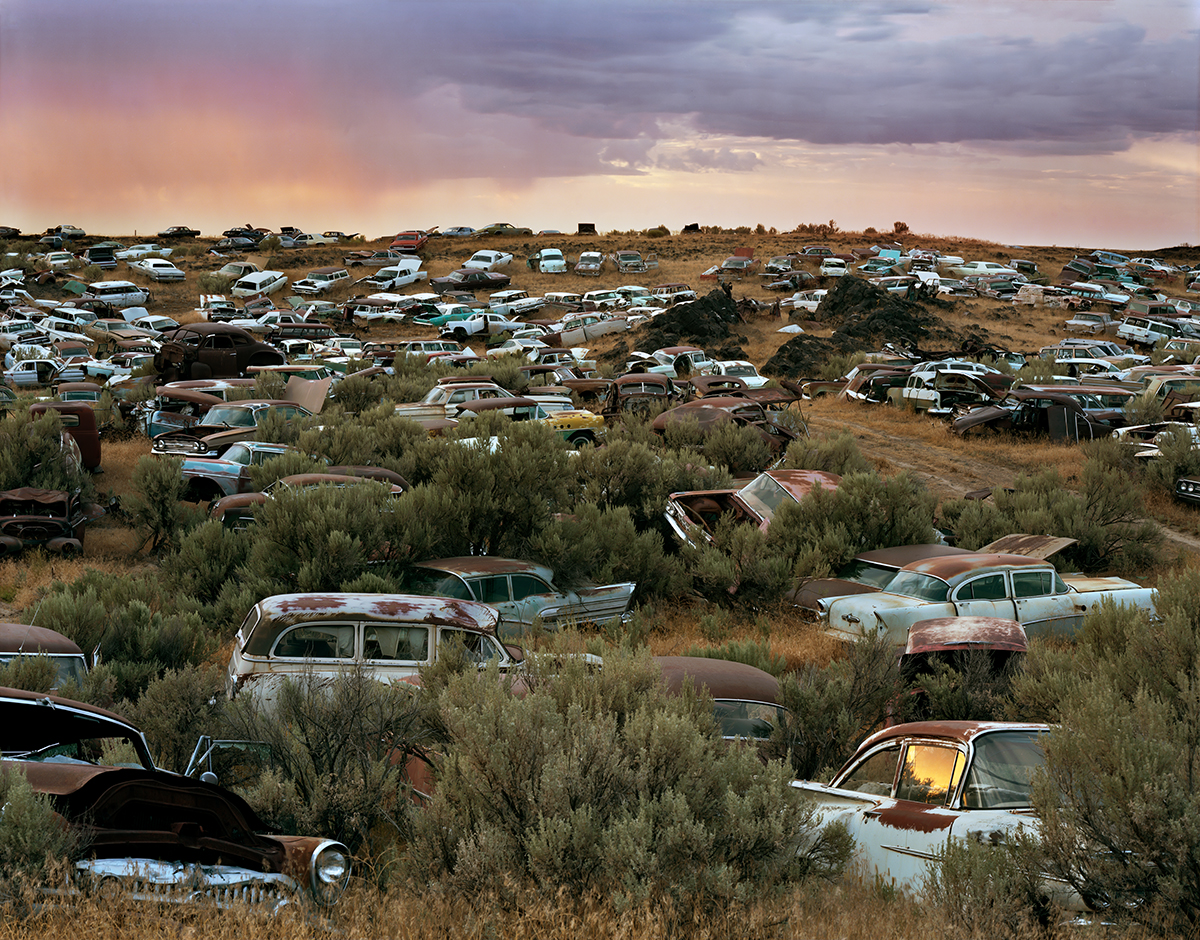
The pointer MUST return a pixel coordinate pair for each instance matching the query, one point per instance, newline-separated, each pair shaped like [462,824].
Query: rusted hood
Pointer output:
[307,393]
[1031,546]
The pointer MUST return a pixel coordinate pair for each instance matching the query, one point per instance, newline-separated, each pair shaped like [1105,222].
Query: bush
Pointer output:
[833,453]
[32,837]
[31,454]
[1120,801]
[829,527]
[987,890]
[600,781]
[1107,517]
[833,708]
[751,652]
[175,710]
[739,448]
[158,509]
[339,747]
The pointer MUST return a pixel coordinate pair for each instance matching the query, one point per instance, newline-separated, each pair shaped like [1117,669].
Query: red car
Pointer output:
[409,242]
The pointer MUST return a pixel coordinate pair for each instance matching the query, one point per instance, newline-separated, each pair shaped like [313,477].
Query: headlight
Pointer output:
[330,870]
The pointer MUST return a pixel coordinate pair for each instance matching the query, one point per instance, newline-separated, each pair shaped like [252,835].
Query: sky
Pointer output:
[1027,122]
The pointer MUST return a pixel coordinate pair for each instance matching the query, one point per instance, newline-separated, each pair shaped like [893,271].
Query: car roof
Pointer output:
[722,678]
[24,638]
[487,564]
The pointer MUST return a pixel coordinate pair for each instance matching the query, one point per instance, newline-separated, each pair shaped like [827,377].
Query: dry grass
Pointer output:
[850,911]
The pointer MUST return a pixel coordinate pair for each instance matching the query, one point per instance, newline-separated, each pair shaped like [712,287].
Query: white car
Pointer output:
[141,251]
[155,324]
[59,259]
[548,261]
[832,267]
[308,240]
[259,284]
[806,300]
[397,275]
[741,369]
[514,346]
[158,269]
[321,280]
[488,260]
[981,268]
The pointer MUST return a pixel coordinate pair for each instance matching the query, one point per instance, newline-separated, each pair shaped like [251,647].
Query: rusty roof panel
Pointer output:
[948,567]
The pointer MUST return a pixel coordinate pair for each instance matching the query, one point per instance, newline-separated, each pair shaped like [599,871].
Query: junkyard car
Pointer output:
[19,640]
[153,834]
[210,478]
[745,698]
[713,412]
[158,269]
[134,252]
[522,591]
[390,635]
[547,261]
[179,231]
[693,516]
[259,284]
[503,228]
[373,259]
[639,393]
[977,584]
[51,519]
[321,280]
[575,426]
[912,788]
[212,350]
[629,261]
[672,361]
[470,279]
[487,259]
[222,426]
[444,399]
[1033,411]
[236,511]
[590,263]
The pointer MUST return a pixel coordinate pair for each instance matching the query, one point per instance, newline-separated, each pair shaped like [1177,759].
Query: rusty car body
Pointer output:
[390,636]
[977,584]
[951,641]
[745,698]
[212,350]
[79,422]
[912,789]
[522,591]
[222,426]
[694,515]
[150,834]
[37,518]
[236,511]
[1037,412]
[209,478]
[713,412]
[18,640]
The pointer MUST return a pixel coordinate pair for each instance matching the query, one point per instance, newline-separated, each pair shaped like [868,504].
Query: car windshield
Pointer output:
[229,417]
[430,581]
[765,495]
[69,666]
[921,586]
[740,370]
[1002,771]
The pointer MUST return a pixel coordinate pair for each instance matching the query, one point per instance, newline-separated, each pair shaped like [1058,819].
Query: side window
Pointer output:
[479,647]
[491,590]
[311,641]
[989,588]
[396,643]
[875,774]
[1033,583]
[929,774]
[523,585]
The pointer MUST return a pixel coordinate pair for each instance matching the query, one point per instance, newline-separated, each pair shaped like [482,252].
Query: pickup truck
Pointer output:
[975,584]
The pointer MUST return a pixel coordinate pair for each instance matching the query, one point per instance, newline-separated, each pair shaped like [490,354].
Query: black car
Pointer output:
[179,231]
[470,279]
[235,243]
[7,231]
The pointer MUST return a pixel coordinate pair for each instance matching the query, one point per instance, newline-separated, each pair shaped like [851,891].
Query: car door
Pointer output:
[986,595]
[1045,605]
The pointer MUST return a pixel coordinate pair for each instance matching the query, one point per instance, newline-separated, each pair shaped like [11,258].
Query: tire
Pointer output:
[580,441]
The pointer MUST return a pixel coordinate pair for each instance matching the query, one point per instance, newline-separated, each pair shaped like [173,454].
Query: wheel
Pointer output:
[580,441]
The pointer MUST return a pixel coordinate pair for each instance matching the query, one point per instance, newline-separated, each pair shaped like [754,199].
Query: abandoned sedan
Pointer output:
[222,426]
[522,591]
[693,516]
[152,834]
[712,413]
[977,584]
[911,789]
[391,636]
